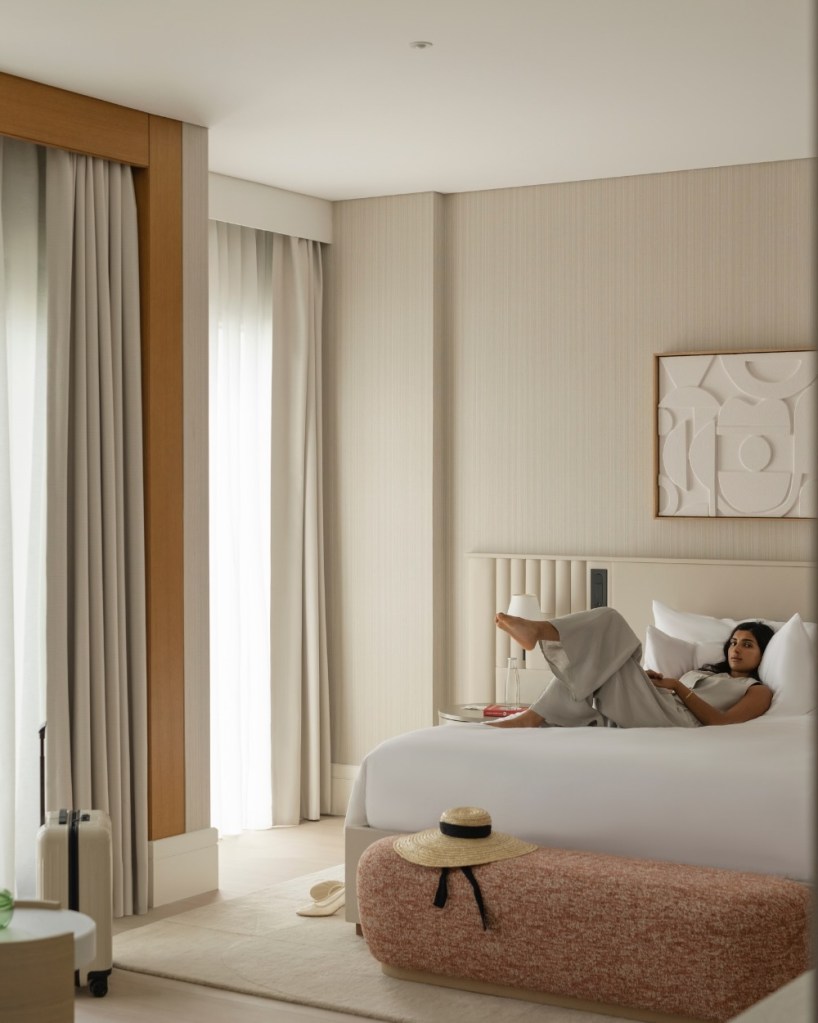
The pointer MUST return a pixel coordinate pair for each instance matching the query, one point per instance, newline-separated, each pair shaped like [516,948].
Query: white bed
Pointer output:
[738,798]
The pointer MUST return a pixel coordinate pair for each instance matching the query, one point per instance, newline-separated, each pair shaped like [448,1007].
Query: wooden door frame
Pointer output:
[153,147]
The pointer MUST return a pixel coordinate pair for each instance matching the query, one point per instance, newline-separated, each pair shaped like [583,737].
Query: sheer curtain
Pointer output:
[241,353]
[269,690]
[22,476]
[95,549]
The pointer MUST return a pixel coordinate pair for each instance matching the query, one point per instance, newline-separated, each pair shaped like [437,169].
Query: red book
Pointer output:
[500,710]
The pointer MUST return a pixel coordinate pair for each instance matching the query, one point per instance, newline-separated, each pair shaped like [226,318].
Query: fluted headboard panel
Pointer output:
[725,589]
[559,583]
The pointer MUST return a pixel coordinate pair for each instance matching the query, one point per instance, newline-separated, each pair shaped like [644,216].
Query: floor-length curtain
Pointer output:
[22,478]
[95,548]
[298,671]
[269,690]
[240,361]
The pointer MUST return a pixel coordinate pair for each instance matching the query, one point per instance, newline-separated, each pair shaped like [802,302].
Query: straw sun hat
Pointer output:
[464,838]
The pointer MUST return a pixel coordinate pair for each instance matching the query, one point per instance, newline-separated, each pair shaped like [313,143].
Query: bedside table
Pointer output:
[462,713]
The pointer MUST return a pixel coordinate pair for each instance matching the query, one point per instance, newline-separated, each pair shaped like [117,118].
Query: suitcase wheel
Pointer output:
[98,984]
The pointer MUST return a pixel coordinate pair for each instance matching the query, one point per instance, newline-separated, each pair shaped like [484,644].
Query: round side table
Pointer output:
[39,952]
[31,922]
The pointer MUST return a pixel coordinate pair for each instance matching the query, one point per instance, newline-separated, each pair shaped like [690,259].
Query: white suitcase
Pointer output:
[74,868]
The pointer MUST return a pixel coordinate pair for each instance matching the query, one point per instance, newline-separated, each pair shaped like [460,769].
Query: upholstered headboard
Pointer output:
[562,584]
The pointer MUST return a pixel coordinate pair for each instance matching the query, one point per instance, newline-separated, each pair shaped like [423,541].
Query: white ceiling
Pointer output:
[327,97]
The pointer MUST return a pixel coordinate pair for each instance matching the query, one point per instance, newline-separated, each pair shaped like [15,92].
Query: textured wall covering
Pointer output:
[558,298]
[490,387]
[379,425]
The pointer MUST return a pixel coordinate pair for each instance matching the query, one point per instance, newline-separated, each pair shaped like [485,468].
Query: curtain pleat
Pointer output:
[299,685]
[95,612]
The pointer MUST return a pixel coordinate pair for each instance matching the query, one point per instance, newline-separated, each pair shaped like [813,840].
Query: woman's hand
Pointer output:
[659,680]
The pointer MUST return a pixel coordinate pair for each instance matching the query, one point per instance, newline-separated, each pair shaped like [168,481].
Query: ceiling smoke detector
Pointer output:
[421,44]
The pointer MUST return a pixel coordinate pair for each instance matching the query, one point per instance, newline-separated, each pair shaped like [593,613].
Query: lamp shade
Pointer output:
[525,605]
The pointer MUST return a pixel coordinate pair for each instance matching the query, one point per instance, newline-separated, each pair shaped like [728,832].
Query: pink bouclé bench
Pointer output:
[636,938]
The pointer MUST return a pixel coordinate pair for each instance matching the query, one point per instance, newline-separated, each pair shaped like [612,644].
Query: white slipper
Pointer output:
[323,889]
[324,907]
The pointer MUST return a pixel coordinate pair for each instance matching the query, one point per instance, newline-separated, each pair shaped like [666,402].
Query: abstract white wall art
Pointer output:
[736,434]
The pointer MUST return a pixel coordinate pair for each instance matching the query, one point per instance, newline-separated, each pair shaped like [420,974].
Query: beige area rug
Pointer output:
[256,945]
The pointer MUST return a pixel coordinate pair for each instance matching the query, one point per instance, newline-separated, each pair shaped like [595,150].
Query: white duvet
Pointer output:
[738,796]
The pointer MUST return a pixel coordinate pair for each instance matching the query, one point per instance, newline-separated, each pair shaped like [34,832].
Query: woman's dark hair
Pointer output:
[763,634]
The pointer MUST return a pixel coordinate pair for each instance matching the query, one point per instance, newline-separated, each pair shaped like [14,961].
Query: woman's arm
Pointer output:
[755,702]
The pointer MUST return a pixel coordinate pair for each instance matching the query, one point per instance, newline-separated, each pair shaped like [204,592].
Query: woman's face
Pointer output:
[743,653]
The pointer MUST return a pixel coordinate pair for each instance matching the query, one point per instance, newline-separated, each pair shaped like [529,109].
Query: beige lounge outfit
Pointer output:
[599,678]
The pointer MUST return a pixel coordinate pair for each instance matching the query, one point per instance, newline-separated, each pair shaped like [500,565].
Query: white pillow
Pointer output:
[788,668]
[811,628]
[691,627]
[673,657]
[704,629]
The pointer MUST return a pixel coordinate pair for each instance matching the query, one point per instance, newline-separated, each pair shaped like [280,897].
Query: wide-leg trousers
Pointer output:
[598,677]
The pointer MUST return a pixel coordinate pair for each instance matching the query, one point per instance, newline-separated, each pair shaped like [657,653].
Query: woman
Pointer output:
[595,659]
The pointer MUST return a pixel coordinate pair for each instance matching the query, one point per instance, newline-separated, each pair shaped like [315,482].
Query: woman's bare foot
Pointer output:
[524,631]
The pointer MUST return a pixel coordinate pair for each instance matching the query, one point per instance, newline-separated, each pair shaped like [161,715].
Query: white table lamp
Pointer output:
[525,605]
[522,605]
